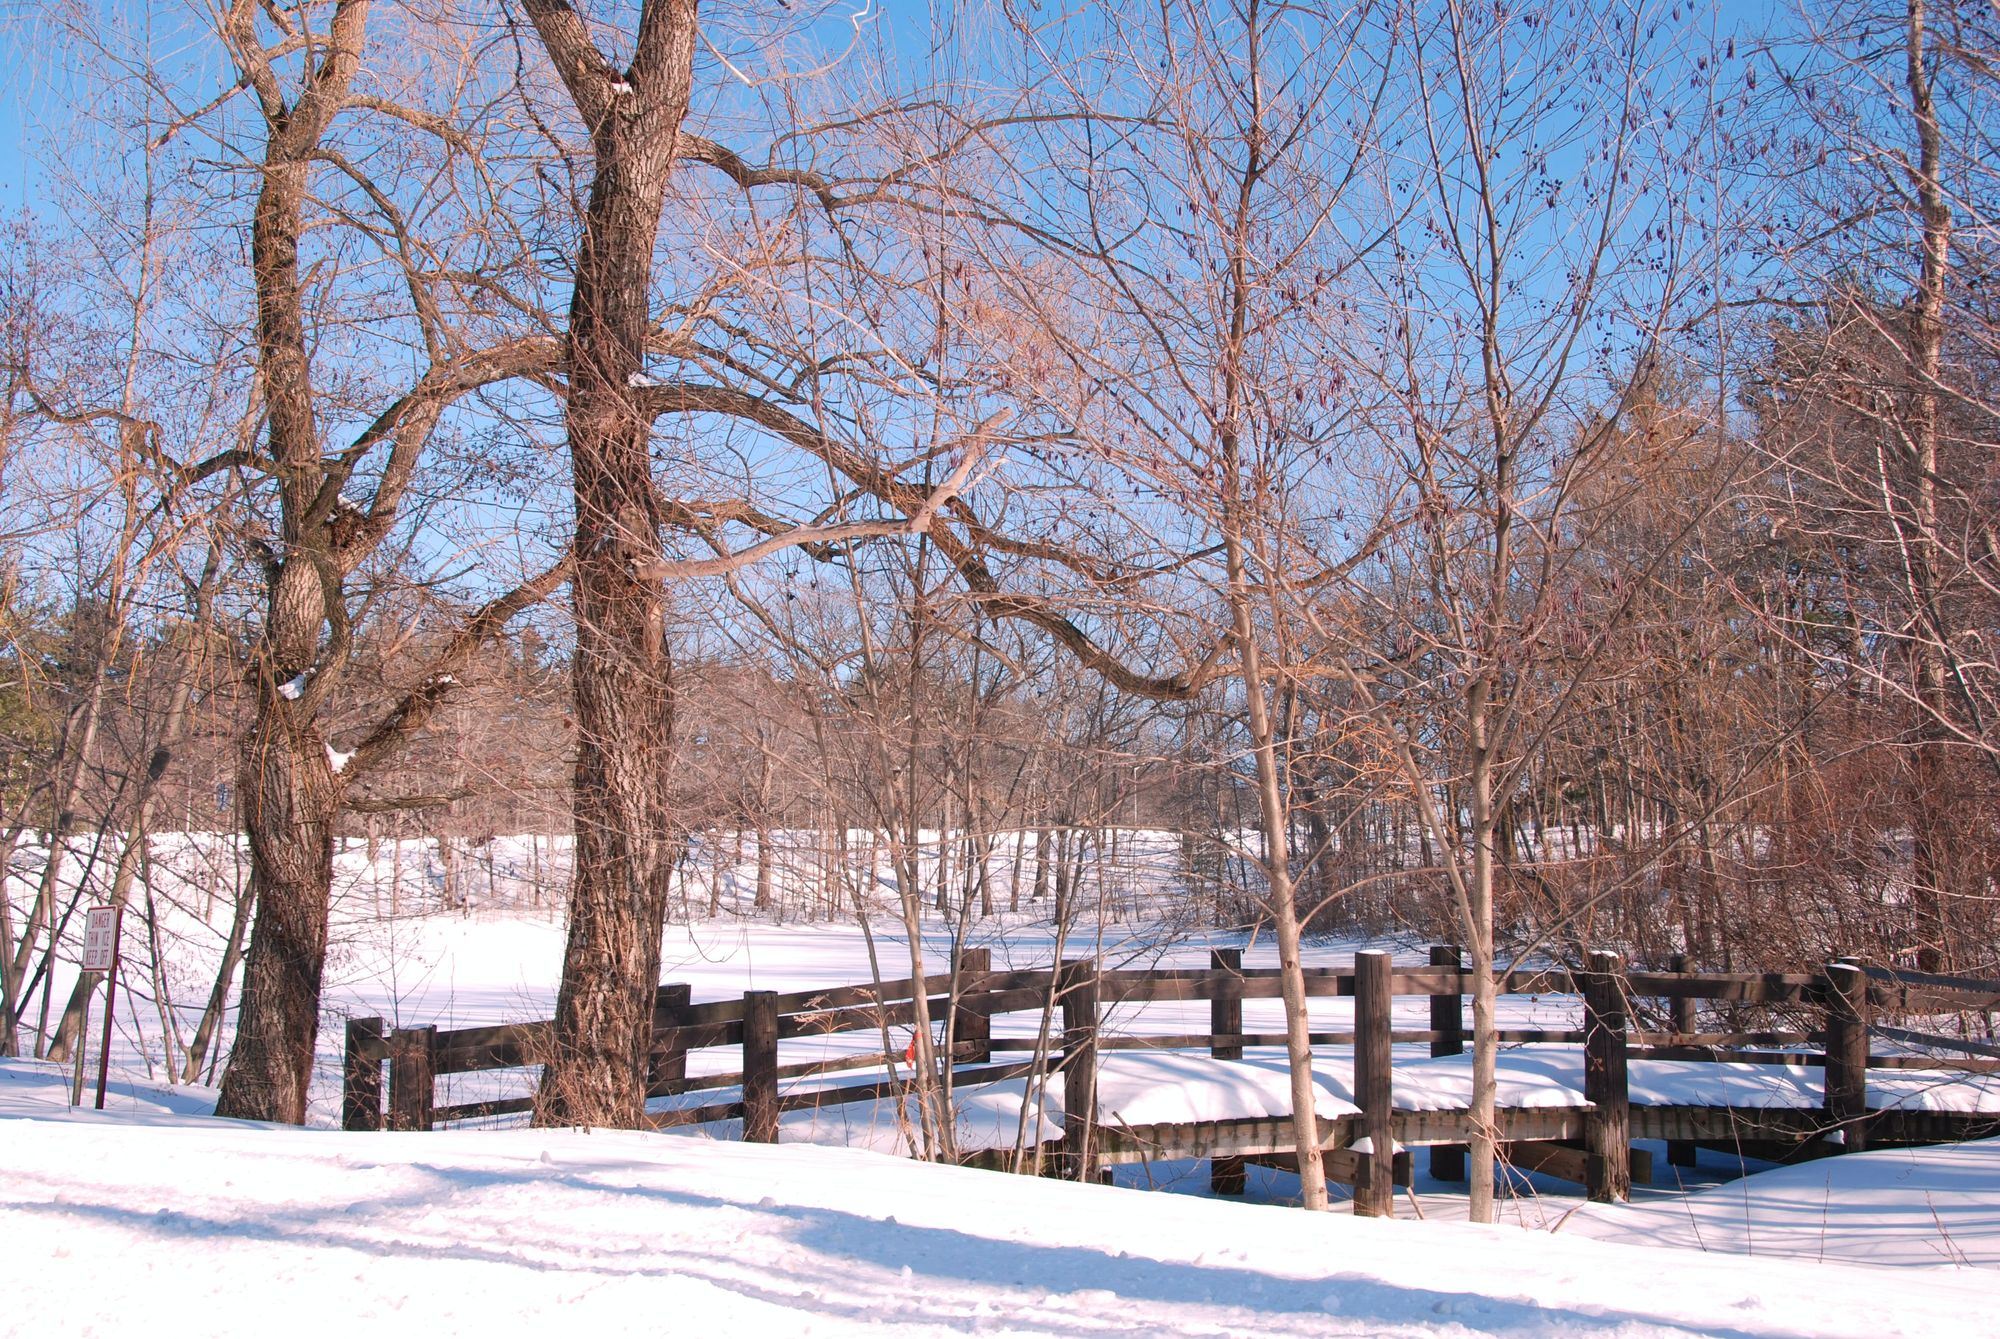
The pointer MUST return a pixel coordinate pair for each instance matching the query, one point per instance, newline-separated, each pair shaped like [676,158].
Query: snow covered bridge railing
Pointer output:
[418,1056]
[1573,1099]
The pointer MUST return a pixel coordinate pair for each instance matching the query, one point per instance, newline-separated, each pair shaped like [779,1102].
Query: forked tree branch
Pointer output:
[417,706]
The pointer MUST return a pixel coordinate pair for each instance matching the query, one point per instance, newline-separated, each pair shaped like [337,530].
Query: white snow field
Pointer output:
[156,1216]
[1913,1206]
[154,1219]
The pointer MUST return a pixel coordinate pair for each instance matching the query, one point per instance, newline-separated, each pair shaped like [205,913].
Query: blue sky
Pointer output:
[35,85]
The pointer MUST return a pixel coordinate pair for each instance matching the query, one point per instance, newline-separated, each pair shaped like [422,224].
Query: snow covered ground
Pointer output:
[483,965]
[155,1214]
[152,1217]
[1911,1206]
[478,938]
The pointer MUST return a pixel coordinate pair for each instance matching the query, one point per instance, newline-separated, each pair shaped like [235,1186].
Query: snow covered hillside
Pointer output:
[156,1215]
[1915,1206]
[173,1224]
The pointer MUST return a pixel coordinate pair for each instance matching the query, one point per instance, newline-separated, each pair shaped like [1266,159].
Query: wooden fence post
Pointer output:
[1448,1022]
[1682,1152]
[412,1077]
[1226,1176]
[1607,1164]
[361,1076]
[760,1066]
[667,1057]
[1682,1006]
[1374,1193]
[1847,1053]
[1078,985]
[1225,1003]
[972,1027]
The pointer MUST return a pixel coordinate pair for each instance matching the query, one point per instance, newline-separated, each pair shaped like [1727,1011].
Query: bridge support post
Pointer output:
[1077,985]
[1226,1176]
[1448,1022]
[1608,1128]
[760,1066]
[1847,1052]
[361,1075]
[1374,1193]
[412,1077]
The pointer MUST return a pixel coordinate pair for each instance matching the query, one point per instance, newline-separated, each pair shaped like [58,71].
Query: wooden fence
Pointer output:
[1072,998]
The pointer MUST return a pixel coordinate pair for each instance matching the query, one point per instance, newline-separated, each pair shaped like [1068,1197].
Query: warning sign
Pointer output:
[100,937]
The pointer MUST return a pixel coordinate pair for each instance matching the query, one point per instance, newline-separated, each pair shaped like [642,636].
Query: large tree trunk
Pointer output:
[624,715]
[596,1069]
[290,798]
[290,792]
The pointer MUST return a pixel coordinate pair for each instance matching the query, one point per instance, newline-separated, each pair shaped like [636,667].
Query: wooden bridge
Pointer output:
[1772,1093]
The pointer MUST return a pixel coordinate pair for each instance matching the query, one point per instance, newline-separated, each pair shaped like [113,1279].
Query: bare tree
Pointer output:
[1879,405]
[1219,218]
[798,337]
[336,506]
[1540,269]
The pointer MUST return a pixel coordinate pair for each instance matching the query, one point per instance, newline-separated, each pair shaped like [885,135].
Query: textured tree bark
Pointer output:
[1935,874]
[289,790]
[290,798]
[596,1071]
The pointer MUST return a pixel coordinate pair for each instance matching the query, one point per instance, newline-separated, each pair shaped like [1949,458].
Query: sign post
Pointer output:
[101,934]
[82,1050]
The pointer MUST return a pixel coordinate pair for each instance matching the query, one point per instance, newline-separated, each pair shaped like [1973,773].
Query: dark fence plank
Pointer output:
[972,1030]
[1847,1052]
[1448,1038]
[1746,987]
[361,1075]
[1374,1192]
[822,1023]
[1019,999]
[1928,992]
[1693,1040]
[678,1116]
[1079,1066]
[1608,1128]
[478,1110]
[412,1078]
[847,997]
[1932,1039]
[760,1067]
